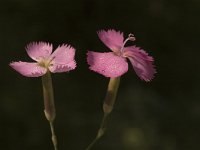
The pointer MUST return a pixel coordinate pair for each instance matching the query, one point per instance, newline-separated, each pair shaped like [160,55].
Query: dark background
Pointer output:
[161,115]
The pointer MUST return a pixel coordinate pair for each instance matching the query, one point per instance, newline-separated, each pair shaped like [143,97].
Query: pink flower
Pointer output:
[61,60]
[114,64]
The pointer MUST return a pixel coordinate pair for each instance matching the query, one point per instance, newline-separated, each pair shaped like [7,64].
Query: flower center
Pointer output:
[45,62]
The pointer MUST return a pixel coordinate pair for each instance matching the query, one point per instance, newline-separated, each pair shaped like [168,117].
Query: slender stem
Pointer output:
[49,106]
[54,138]
[107,107]
[101,131]
[111,94]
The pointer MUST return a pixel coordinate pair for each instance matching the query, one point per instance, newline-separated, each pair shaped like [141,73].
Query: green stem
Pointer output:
[100,133]
[107,107]
[49,106]
[111,94]
[53,138]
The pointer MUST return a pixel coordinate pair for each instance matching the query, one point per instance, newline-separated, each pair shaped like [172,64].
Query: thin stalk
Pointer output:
[107,108]
[100,133]
[53,138]
[49,106]
[111,94]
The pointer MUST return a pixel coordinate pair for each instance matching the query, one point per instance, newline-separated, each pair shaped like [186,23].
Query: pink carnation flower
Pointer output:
[114,64]
[61,60]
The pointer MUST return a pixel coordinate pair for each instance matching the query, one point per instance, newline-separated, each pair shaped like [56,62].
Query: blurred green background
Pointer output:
[161,115]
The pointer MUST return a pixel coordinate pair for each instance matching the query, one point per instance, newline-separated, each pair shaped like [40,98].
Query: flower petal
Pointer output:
[107,64]
[39,50]
[63,54]
[142,63]
[63,59]
[28,69]
[112,39]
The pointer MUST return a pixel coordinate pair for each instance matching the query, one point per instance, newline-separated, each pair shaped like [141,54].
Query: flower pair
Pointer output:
[110,64]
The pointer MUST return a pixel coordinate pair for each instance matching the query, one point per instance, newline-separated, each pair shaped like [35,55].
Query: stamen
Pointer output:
[131,37]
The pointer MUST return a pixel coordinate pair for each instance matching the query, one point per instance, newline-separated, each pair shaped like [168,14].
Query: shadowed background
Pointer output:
[161,115]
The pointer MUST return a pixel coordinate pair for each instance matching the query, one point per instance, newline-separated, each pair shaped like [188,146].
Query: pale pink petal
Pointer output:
[63,59]
[107,64]
[39,50]
[28,69]
[62,68]
[142,63]
[63,54]
[112,39]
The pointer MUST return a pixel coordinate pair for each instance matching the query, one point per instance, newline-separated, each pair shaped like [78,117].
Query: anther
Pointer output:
[131,37]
